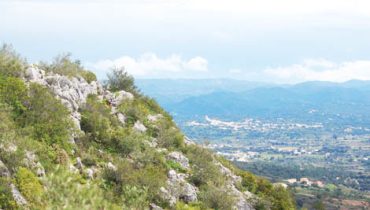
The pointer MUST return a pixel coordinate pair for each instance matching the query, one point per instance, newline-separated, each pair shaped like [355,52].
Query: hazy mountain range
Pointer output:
[235,99]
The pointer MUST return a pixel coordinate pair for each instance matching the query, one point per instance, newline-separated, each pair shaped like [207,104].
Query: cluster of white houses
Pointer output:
[305,182]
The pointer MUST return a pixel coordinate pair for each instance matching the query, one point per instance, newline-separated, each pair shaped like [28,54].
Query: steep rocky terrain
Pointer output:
[68,142]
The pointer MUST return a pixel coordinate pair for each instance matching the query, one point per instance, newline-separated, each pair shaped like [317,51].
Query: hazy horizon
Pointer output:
[267,41]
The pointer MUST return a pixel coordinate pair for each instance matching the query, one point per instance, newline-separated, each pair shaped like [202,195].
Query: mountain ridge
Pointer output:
[69,142]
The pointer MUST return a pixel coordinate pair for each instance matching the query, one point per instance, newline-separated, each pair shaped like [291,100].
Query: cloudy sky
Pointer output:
[281,41]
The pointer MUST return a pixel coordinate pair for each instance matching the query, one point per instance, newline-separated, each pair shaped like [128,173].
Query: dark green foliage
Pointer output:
[11,64]
[64,65]
[13,91]
[282,198]
[126,141]
[96,120]
[119,79]
[319,205]
[7,125]
[47,116]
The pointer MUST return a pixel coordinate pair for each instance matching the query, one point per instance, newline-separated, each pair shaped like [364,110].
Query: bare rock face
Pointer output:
[72,92]
[138,126]
[179,158]
[89,173]
[121,118]
[112,167]
[79,164]
[155,207]
[242,202]
[154,118]
[178,189]
[18,197]
[116,98]
[228,173]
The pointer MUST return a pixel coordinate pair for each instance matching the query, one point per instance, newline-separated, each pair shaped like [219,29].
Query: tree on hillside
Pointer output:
[119,79]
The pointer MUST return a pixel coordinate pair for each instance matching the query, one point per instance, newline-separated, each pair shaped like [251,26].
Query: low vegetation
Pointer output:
[64,65]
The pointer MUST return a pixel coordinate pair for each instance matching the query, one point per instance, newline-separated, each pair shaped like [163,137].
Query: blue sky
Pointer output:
[284,41]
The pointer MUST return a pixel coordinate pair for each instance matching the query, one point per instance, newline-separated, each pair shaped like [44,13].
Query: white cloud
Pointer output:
[149,65]
[319,70]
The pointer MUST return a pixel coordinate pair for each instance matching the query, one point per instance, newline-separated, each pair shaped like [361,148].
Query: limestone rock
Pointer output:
[121,118]
[72,92]
[179,158]
[31,162]
[79,164]
[178,188]
[116,98]
[155,207]
[89,173]
[154,118]
[17,196]
[228,173]
[112,167]
[73,169]
[138,126]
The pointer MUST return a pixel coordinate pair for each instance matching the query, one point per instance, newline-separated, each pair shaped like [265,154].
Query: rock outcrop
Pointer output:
[178,189]
[17,196]
[73,93]
[179,158]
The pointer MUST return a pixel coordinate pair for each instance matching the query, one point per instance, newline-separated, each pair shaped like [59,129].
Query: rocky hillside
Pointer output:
[69,142]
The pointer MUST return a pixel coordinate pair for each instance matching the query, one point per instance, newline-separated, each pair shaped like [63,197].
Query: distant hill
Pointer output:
[168,91]
[305,100]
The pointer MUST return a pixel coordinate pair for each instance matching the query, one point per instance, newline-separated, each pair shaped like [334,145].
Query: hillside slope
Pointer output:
[68,142]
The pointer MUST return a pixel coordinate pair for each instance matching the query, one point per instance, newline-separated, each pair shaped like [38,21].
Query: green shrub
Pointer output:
[13,91]
[7,126]
[168,135]
[204,171]
[6,197]
[119,79]
[134,110]
[96,120]
[282,199]
[65,191]
[249,182]
[48,118]
[135,197]
[188,206]
[126,141]
[64,65]
[11,64]
[175,166]
[216,198]
[30,187]
[150,176]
